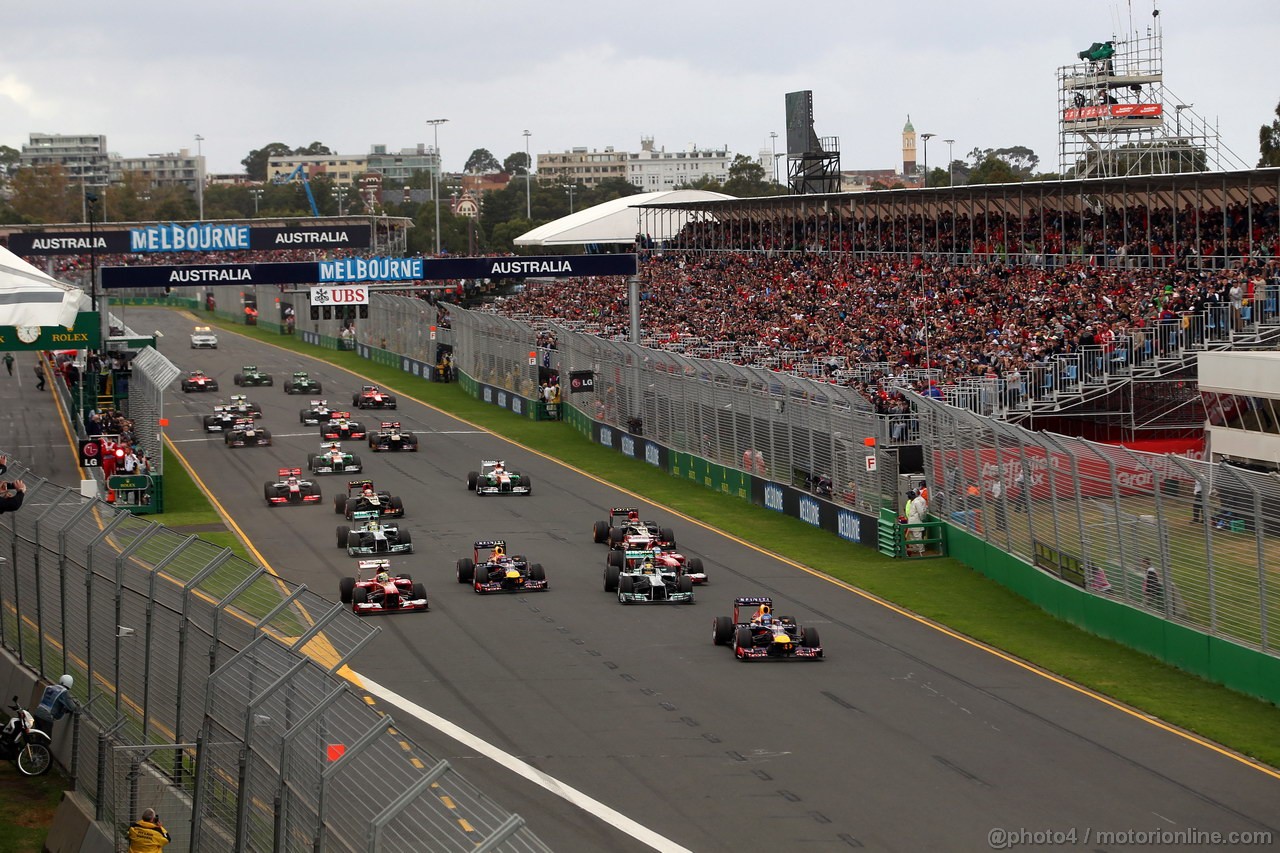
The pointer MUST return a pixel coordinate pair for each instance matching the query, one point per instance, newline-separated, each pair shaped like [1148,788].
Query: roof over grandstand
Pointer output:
[613,221]
[29,297]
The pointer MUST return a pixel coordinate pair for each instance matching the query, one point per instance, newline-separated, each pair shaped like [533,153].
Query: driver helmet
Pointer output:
[384,576]
[633,516]
[763,613]
[291,480]
[367,490]
[648,566]
[373,524]
[499,551]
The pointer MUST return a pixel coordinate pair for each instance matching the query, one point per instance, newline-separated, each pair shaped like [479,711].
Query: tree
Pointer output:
[45,194]
[747,179]
[994,170]
[1269,142]
[315,149]
[482,162]
[517,163]
[255,165]
[9,158]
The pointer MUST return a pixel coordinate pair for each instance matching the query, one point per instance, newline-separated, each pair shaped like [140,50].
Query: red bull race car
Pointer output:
[290,488]
[491,569]
[756,634]
[372,397]
[374,590]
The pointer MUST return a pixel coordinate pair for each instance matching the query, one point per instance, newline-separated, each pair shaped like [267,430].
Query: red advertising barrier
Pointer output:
[1151,111]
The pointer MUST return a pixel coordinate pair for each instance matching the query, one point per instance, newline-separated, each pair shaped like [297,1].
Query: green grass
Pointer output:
[26,807]
[942,590]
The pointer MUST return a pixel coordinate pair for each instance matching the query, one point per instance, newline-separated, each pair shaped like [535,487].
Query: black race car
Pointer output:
[316,413]
[372,397]
[391,437]
[625,531]
[340,427]
[756,634]
[290,488]
[491,569]
[240,405]
[221,420]
[251,375]
[361,496]
[196,380]
[301,383]
[245,432]
[374,589]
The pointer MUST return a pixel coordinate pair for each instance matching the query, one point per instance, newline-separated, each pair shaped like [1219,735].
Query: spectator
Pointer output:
[11,495]
[1152,585]
[39,374]
[8,362]
[1197,503]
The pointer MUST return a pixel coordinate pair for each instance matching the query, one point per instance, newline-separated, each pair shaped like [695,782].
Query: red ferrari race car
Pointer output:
[756,634]
[624,531]
[372,397]
[491,569]
[374,589]
[341,427]
[197,381]
[290,488]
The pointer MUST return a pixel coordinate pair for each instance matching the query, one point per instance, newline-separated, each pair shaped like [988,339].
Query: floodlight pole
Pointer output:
[436,173]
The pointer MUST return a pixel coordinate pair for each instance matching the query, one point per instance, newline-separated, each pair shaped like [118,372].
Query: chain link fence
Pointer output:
[211,691]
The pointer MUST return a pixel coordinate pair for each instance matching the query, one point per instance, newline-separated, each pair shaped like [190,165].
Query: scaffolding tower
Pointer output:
[1117,118]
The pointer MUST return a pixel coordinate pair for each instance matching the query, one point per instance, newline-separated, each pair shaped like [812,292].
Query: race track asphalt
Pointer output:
[903,738]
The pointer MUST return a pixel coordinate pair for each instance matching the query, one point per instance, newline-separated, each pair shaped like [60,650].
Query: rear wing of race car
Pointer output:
[319,402]
[760,599]
[487,463]
[244,421]
[364,515]
[340,415]
[390,425]
[239,398]
[353,484]
[621,512]
[374,565]
[248,367]
[300,375]
[222,408]
[490,543]
[289,472]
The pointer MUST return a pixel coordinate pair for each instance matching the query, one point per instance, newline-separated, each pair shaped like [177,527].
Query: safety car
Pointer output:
[647,576]
[372,397]
[372,536]
[495,478]
[332,459]
[756,634]
[302,383]
[245,432]
[202,337]
[361,496]
[391,437]
[289,487]
[251,375]
[196,380]
[340,427]
[374,590]
[623,530]
[318,412]
[491,569]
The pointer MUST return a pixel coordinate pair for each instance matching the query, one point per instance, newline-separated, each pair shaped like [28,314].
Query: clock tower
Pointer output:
[908,149]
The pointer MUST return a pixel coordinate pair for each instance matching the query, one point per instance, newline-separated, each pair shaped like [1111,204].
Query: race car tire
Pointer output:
[318,391]
[397,504]
[411,446]
[685,585]
[537,572]
[343,530]
[666,534]
[616,558]
[311,457]
[288,386]
[626,586]
[373,444]
[809,639]
[472,478]
[694,566]
[268,493]
[615,537]
[406,538]
[346,586]
[527,482]
[741,639]
[420,591]
[312,490]
[611,578]
[466,570]
[266,437]
[359,595]
[353,541]
[213,386]
[339,504]
[354,463]
[722,630]
[270,382]
[238,379]
[350,508]
[600,532]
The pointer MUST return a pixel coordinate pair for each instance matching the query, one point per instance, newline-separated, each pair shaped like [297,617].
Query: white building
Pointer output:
[657,169]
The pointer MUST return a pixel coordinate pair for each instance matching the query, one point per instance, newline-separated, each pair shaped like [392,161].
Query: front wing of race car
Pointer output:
[322,465]
[489,486]
[371,547]
[653,589]
[281,495]
[239,439]
[755,644]
[400,599]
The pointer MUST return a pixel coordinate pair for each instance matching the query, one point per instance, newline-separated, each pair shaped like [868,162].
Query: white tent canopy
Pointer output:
[29,297]
[615,221]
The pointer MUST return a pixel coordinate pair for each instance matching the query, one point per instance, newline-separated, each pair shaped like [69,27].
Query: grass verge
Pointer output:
[27,805]
[944,590]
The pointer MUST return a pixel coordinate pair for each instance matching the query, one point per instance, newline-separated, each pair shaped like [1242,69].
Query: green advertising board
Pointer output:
[85,334]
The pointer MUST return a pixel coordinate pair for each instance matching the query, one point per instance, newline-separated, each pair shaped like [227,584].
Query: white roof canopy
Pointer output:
[29,297]
[615,221]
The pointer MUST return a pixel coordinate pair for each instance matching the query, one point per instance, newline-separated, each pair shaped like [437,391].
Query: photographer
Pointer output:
[11,495]
[147,834]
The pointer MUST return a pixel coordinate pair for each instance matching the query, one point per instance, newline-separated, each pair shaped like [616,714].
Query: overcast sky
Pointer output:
[153,75]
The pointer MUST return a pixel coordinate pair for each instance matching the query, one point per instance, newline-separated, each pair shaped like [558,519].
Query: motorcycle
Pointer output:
[23,743]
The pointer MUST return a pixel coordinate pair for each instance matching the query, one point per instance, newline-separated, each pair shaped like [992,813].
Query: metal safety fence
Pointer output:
[1195,542]
[213,687]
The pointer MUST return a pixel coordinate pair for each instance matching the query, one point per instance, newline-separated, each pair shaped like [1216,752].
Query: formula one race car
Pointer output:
[372,397]
[290,488]
[340,427]
[491,569]
[245,432]
[647,576]
[197,381]
[755,633]
[624,531]
[375,590]
[202,337]
[317,413]
[391,437]
[251,375]
[222,419]
[494,478]
[301,383]
[240,405]
[371,536]
[332,459]
[361,496]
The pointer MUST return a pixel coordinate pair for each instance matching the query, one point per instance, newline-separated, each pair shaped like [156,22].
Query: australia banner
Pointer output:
[190,237]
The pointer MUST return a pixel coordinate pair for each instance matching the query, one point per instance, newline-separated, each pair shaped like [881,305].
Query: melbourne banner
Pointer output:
[190,237]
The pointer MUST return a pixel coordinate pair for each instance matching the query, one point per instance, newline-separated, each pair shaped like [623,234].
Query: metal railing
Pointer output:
[217,684]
